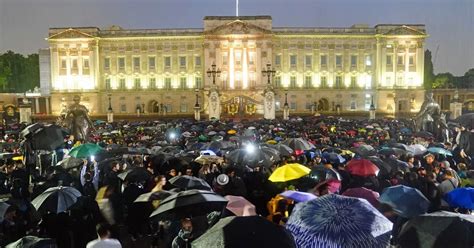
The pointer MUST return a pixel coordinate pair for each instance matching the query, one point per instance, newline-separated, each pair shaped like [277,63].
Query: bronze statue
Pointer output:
[78,120]
[428,118]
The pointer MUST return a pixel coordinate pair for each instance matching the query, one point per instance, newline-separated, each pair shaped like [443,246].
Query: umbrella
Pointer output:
[154,196]
[365,150]
[33,242]
[417,149]
[253,157]
[189,203]
[364,193]
[8,155]
[460,198]
[240,206]
[298,144]
[49,138]
[3,210]
[284,150]
[246,231]
[321,173]
[56,199]
[70,162]
[298,196]
[333,158]
[466,120]
[189,182]
[439,150]
[137,174]
[438,230]
[362,167]
[338,221]
[385,168]
[387,151]
[424,134]
[289,172]
[408,202]
[85,150]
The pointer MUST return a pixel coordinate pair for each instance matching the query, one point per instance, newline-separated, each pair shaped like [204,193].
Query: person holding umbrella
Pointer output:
[185,235]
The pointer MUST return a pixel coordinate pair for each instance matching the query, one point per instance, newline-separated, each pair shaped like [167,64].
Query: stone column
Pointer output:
[197,113]
[48,110]
[37,106]
[286,112]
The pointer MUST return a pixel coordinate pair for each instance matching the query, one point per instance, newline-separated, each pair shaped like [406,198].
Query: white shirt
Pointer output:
[104,243]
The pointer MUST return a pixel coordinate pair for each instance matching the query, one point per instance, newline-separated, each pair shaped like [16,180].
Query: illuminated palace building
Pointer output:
[164,71]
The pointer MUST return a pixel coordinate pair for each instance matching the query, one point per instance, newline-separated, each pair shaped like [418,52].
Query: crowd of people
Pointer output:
[230,159]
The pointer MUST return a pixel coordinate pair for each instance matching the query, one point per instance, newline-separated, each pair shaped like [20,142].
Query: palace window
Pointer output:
[389,59]
[198,82]
[353,61]
[368,60]
[277,81]
[107,63]
[277,60]
[121,63]
[293,106]
[152,84]
[151,63]
[388,80]
[197,61]
[168,83]
[411,60]
[338,84]
[74,63]
[136,63]
[224,59]
[137,84]
[182,83]
[168,108]
[293,82]
[238,58]
[293,60]
[107,84]
[338,60]
[324,82]
[400,60]
[167,62]
[183,108]
[85,63]
[182,62]
[63,64]
[122,84]
[324,60]
[353,82]
[308,82]
[251,58]
[308,60]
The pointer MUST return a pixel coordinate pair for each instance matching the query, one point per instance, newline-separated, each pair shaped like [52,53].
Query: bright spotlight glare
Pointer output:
[172,135]
[250,148]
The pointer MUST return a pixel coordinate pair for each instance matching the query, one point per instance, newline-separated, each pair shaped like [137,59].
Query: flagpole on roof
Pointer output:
[236,7]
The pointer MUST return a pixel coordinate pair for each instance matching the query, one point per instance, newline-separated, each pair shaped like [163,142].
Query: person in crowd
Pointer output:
[185,235]
[104,231]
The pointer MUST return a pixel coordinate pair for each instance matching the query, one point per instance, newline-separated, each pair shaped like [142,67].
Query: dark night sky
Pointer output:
[450,23]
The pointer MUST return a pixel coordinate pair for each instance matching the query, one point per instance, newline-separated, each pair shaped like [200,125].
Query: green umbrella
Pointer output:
[85,150]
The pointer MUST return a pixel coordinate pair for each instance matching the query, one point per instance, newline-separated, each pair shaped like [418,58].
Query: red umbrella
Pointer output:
[362,167]
[364,193]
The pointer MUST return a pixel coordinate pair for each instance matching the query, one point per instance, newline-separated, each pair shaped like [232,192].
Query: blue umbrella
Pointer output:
[338,221]
[298,196]
[408,202]
[333,158]
[461,198]
[439,150]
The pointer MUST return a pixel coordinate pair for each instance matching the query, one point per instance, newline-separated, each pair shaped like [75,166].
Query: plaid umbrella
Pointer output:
[438,230]
[338,221]
[246,231]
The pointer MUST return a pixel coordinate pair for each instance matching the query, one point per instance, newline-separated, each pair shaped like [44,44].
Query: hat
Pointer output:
[222,179]
[429,155]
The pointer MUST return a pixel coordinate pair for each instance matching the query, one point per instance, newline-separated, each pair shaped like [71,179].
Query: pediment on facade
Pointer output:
[404,30]
[238,27]
[71,34]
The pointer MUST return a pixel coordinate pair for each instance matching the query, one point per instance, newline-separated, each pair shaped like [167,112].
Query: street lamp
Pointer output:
[214,72]
[372,109]
[110,112]
[269,72]
[286,107]
[197,107]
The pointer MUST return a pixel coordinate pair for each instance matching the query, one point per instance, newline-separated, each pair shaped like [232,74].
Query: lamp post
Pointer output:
[213,72]
[110,112]
[197,107]
[372,109]
[269,73]
[286,108]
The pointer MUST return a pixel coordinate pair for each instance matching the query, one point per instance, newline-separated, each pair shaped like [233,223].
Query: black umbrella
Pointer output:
[298,144]
[189,203]
[438,230]
[49,138]
[252,156]
[282,149]
[387,151]
[154,196]
[424,134]
[245,231]
[365,150]
[137,174]
[320,173]
[189,182]
[33,242]
[466,120]
[71,162]
[56,199]
[385,168]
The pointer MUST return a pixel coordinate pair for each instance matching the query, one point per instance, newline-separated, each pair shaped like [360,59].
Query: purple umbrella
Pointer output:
[364,193]
[298,196]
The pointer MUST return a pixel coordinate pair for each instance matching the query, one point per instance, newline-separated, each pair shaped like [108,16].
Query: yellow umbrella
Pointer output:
[272,142]
[232,131]
[289,172]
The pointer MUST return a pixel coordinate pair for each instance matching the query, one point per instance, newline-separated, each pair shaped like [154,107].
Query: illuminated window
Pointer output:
[338,84]
[324,82]
[354,61]
[293,59]
[324,60]
[198,82]
[308,82]
[308,60]
[107,63]
[293,82]
[152,84]
[167,83]
[338,60]
[389,59]
[182,62]
[277,60]
[182,82]
[167,61]
[151,63]
[197,61]
[85,63]
[121,63]
[368,60]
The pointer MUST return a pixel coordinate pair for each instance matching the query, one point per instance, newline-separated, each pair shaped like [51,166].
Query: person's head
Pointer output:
[76,99]
[421,172]
[115,166]
[322,189]
[10,214]
[429,158]
[230,172]
[448,174]
[161,180]
[462,166]
[103,230]
[187,225]
[189,171]
[173,173]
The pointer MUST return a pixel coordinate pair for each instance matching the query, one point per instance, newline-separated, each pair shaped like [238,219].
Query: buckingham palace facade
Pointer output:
[164,70]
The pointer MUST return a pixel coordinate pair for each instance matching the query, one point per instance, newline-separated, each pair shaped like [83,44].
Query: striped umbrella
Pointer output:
[338,221]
